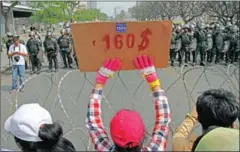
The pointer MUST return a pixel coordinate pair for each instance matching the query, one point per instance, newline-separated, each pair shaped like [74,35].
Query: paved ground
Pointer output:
[121,92]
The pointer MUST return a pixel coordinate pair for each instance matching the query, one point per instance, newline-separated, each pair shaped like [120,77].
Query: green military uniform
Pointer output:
[64,43]
[201,37]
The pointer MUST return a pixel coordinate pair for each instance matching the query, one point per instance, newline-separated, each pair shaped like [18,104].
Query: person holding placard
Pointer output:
[126,127]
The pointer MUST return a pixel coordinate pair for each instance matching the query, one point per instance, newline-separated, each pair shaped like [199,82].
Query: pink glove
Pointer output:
[147,69]
[108,69]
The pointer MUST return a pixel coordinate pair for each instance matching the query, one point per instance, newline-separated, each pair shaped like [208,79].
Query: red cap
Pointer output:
[127,128]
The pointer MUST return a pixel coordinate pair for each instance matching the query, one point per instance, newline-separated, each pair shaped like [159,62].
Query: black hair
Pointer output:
[133,149]
[52,140]
[217,107]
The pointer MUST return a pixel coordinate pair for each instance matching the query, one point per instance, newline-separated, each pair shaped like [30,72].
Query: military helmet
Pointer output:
[201,26]
[63,31]
[186,26]
[178,27]
[49,33]
[192,26]
[212,26]
[234,28]
[9,34]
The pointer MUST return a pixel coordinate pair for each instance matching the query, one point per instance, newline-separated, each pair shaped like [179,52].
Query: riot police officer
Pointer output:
[185,39]
[193,43]
[68,30]
[209,44]
[173,47]
[200,35]
[64,43]
[51,49]
[218,39]
[33,47]
[232,52]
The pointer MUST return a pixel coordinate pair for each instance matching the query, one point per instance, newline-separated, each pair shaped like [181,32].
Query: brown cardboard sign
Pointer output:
[95,42]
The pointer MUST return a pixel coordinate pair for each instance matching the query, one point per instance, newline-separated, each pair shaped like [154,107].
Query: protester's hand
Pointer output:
[194,112]
[108,69]
[145,65]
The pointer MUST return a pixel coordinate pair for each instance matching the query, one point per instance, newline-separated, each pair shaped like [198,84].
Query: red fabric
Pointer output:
[127,128]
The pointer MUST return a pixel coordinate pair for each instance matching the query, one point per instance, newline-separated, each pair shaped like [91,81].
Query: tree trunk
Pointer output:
[6,17]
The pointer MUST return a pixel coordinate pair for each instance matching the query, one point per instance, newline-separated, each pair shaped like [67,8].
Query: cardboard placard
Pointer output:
[95,42]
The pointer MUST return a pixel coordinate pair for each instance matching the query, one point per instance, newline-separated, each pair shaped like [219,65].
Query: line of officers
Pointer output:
[214,43]
[50,46]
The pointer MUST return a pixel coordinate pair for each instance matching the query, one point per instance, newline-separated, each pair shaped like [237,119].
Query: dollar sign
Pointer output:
[145,41]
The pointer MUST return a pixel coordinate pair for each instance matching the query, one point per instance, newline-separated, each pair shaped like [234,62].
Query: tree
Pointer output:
[89,15]
[189,10]
[167,10]
[224,11]
[7,13]
[50,12]
[121,16]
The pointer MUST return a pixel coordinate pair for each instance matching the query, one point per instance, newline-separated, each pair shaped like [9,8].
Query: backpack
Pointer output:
[64,42]
[49,44]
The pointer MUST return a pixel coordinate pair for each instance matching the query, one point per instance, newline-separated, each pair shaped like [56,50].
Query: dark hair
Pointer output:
[51,134]
[217,107]
[133,149]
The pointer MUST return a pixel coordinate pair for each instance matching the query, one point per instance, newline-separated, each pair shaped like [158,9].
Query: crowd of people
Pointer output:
[34,50]
[216,110]
[214,43]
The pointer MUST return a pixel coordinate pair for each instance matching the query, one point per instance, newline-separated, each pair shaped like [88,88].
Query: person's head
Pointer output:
[217,107]
[68,31]
[217,139]
[186,28]
[33,130]
[192,27]
[178,29]
[32,34]
[10,36]
[16,40]
[63,32]
[201,26]
[32,28]
[49,34]
[127,130]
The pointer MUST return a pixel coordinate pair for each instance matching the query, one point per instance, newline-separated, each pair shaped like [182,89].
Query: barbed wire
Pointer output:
[228,76]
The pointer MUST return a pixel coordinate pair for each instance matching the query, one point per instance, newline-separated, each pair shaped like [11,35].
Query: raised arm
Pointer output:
[93,120]
[162,119]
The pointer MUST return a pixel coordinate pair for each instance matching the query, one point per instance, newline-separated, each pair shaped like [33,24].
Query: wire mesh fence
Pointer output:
[66,95]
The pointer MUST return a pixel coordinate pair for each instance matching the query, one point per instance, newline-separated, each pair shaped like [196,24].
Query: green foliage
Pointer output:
[50,12]
[89,15]
[55,12]
[121,16]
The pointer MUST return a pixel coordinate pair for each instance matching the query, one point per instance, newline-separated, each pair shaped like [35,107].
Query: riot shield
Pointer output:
[40,55]
[193,45]
[209,43]
[226,46]
[178,45]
